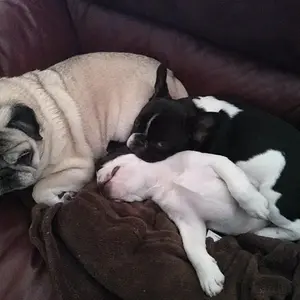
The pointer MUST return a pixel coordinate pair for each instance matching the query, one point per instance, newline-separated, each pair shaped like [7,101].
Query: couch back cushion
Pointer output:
[204,69]
[34,35]
[267,30]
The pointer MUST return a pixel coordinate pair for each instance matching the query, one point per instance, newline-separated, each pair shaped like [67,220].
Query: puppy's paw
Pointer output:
[259,210]
[212,280]
[255,204]
[104,174]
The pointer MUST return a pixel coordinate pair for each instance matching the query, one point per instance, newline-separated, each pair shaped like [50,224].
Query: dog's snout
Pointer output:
[140,141]
[137,141]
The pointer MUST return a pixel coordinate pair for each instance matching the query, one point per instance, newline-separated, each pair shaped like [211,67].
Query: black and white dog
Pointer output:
[265,147]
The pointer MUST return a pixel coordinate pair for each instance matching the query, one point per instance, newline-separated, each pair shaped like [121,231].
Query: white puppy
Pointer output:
[197,191]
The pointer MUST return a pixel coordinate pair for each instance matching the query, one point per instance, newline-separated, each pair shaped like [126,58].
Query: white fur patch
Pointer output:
[133,136]
[131,140]
[264,170]
[149,123]
[211,104]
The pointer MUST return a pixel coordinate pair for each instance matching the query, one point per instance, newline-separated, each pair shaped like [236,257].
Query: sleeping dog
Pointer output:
[55,123]
[265,147]
[195,190]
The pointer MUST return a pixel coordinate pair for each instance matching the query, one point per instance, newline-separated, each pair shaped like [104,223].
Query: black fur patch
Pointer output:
[24,119]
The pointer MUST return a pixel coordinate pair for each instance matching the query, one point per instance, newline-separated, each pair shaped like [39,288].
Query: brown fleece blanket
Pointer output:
[98,249]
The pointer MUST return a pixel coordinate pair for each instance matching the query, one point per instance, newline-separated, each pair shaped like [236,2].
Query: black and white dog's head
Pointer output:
[166,126]
[19,155]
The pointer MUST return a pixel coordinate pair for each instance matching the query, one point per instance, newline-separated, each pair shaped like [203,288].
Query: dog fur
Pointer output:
[264,146]
[55,123]
[196,190]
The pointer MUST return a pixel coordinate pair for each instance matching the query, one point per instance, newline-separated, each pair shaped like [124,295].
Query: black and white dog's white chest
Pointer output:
[265,148]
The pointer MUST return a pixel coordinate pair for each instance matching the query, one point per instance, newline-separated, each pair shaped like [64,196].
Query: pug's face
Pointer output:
[19,155]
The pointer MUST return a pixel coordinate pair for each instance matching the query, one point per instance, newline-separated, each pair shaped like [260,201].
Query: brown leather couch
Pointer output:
[210,45]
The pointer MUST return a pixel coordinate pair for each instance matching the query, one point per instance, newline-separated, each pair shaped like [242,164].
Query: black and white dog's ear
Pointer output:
[203,123]
[161,87]
[23,118]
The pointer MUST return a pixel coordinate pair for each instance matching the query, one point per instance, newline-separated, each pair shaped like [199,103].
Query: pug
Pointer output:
[55,123]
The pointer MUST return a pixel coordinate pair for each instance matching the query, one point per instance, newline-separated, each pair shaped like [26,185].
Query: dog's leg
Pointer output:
[283,229]
[279,233]
[47,190]
[239,185]
[193,235]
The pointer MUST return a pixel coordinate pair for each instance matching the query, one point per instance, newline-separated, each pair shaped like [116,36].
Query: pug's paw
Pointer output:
[67,196]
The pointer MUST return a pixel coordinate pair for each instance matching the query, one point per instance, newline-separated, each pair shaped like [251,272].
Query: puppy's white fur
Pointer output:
[211,104]
[196,190]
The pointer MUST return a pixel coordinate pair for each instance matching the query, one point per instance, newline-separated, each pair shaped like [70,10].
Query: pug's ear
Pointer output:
[202,125]
[161,88]
[23,118]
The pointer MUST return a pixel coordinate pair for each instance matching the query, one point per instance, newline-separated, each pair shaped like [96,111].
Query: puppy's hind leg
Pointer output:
[193,234]
[240,187]
[279,233]
[284,229]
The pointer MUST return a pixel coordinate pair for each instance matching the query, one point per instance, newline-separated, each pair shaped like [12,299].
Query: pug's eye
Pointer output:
[25,158]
